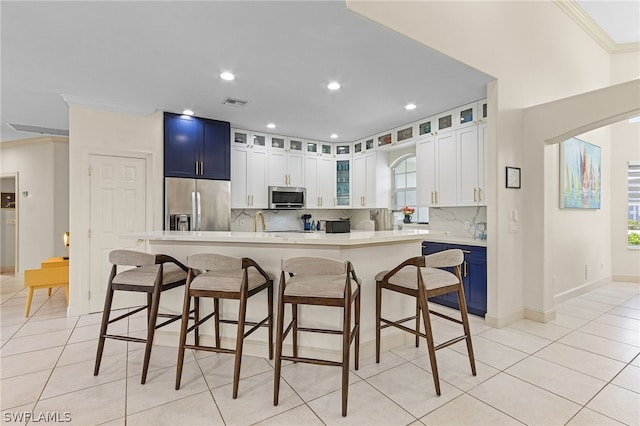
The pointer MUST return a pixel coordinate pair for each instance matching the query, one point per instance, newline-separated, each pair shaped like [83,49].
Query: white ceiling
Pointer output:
[138,57]
[620,20]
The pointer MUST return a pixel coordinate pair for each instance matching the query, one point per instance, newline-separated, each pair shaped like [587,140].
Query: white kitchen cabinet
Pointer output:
[425,127]
[437,171]
[343,180]
[481,108]
[466,115]
[445,122]
[319,181]
[249,173]
[363,146]
[468,179]
[426,169]
[321,149]
[371,180]
[483,142]
[286,161]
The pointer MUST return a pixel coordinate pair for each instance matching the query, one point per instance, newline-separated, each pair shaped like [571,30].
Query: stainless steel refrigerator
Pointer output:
[197,204]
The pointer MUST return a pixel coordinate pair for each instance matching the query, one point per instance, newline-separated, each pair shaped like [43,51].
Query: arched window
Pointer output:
[404,188]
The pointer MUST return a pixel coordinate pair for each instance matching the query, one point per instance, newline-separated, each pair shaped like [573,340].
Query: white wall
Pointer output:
[625,147]
[41,166]
[578,261]
[537,54]
[108,133]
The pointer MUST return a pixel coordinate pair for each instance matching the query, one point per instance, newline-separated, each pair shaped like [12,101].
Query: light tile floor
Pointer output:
[582,368]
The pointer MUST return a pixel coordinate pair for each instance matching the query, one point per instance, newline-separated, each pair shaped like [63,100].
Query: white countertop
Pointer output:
[354,238]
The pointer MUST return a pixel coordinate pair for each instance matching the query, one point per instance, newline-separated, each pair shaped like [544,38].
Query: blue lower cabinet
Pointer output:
[474,277]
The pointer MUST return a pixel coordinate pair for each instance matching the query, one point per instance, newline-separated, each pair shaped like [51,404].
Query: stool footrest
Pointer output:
[125,338]
[210,349]
[451,342]
[319,330]
[311,360]
[447,317]
[397,324]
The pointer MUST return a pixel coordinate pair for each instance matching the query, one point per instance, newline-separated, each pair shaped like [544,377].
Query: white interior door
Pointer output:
[118,203]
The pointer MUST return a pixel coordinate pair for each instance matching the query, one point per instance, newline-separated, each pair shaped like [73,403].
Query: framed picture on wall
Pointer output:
[8,200]
[513,177]
[580,169]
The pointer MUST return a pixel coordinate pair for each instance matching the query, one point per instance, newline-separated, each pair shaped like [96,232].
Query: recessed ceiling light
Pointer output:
[187,112]
[271,126]
[227,76]
[334,136]
[409,107]
[334,85]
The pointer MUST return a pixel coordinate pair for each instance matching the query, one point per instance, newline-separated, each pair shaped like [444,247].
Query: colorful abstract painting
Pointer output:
[579,175]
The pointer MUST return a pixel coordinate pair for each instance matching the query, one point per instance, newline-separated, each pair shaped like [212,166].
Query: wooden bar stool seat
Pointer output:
[223,277]
[318,281]
[421,278]
[152,274]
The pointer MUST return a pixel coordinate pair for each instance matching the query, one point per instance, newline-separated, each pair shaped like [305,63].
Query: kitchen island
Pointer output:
[369,251]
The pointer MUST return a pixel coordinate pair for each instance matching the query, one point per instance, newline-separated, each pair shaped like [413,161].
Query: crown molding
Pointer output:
[29,141]
[584,21]
[100,104]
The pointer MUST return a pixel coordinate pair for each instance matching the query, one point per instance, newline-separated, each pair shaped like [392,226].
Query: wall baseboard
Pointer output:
[543,317]
[626,278]
[580,290]
[501,322]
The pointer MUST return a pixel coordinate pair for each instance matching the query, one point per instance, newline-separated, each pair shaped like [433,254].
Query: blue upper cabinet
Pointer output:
[216,150]
[196,147]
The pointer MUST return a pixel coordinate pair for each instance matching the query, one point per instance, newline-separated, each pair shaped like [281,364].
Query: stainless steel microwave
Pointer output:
[287,197]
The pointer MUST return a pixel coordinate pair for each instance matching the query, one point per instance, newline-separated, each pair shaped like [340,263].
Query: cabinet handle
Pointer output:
[436,197]
[475,190]
[465,269]
[202,168]
[248,200]
[479,194]
[252,199]
[196,168]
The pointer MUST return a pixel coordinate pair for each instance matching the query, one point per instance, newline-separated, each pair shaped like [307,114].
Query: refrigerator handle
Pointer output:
[194,212]
[199,211]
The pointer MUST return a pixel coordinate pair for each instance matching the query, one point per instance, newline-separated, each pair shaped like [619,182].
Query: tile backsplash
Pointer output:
[281,220]
[450,219]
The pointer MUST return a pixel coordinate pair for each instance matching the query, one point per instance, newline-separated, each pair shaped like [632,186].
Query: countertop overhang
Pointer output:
[354,238]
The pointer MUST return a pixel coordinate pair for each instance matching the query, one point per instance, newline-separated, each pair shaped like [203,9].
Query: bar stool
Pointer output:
[152,275]
[322,282]
[223,277]
[420,277]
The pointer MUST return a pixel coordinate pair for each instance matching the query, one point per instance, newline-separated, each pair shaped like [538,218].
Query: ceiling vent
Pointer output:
[235,102]
[37,129]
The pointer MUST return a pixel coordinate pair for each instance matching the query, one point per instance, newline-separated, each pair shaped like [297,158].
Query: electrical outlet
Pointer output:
[467,225]
[241,222]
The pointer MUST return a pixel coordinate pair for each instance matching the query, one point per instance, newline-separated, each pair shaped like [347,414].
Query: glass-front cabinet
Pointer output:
[363,146]
[343,182]
[343,149]
[425,127]
[467,115]
[445,123]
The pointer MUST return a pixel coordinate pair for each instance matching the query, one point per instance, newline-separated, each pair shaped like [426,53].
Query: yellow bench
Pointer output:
[54,272]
